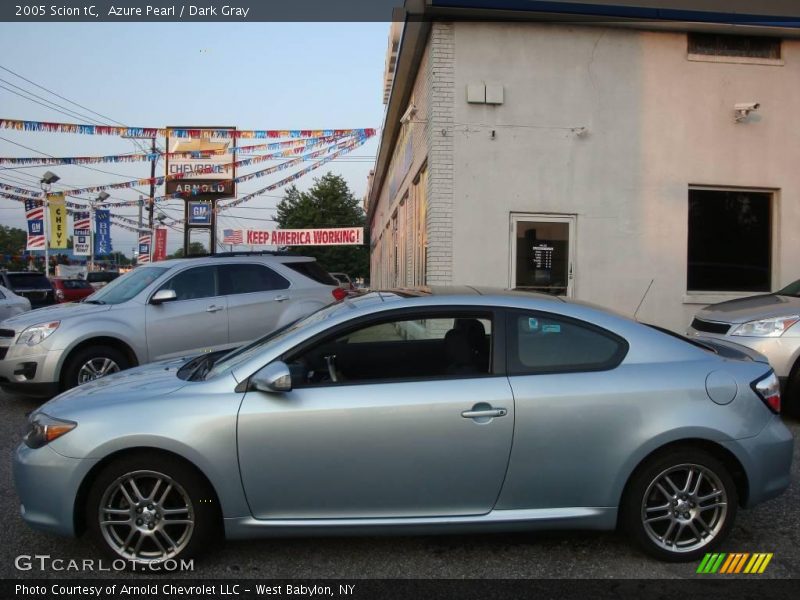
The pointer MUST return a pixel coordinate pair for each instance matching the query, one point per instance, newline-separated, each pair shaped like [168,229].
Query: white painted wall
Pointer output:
[657,123]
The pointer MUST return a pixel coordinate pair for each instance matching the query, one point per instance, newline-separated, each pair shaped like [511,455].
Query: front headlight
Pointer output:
[766,327]
[37,333]
[43,429]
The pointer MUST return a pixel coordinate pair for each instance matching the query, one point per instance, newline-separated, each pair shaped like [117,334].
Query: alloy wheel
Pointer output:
[146,516]
[95,368]
[684,508]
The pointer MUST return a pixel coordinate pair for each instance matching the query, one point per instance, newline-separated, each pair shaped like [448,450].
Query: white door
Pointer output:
[542,253]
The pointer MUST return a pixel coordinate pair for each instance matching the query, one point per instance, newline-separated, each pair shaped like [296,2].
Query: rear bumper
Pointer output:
[767,461]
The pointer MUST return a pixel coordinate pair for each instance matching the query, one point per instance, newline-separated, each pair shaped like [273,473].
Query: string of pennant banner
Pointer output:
[43,161]
[152,132]
[334,141]
[317,146]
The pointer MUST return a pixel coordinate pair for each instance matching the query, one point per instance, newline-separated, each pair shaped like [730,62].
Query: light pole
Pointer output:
[47,181]
[101,197]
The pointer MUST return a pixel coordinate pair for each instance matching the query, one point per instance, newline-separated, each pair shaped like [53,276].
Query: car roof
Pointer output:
[467,290]
[232,258]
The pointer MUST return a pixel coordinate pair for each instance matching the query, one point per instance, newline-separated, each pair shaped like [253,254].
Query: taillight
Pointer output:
[768,389]
[339,293]
[59,294]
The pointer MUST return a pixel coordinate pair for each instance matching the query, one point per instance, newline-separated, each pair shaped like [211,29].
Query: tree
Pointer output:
[328,203]
[194,248]
[12,245]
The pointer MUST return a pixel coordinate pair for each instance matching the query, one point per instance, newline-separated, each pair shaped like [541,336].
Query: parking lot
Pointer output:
[771,527]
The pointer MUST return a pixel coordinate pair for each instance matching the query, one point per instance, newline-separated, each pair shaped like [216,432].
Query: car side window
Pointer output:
[194,283]
[545,343]
[246,279]
[438,346]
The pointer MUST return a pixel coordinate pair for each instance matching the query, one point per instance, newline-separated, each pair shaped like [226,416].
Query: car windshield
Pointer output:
[126,287]
[793,289]
[245,353]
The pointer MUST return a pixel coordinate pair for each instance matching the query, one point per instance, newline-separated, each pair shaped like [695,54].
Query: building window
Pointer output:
[714,45]
[730,241]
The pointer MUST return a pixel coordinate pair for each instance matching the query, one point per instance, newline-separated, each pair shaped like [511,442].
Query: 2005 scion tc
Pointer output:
[468,410]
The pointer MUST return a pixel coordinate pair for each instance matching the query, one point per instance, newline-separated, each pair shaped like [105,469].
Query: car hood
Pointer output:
[753,308]
[53,313]
[147,381]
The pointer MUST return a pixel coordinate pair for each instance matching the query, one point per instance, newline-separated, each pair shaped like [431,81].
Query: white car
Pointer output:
[11,304]
[158,311]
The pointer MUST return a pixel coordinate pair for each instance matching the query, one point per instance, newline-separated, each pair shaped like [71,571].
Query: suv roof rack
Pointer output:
[252,253]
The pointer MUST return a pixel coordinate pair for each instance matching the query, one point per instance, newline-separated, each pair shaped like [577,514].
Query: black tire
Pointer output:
[183,480]
[790,404]
[71,376]
[643,497]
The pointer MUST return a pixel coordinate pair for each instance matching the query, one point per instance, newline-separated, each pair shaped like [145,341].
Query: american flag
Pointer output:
[81,223]
[232,236]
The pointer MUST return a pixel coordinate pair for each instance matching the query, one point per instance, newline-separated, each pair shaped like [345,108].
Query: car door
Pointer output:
[256,296]
[195,321]
[383,422]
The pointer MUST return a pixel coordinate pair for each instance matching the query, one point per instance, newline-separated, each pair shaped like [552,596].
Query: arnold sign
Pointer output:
[337,236]
[202,164]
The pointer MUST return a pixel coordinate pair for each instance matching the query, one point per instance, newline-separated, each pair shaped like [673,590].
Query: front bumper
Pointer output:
[767,461]
[30,370]
[47,484]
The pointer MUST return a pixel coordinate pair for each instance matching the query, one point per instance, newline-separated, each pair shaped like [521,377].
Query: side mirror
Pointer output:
[275,377]
[162,296]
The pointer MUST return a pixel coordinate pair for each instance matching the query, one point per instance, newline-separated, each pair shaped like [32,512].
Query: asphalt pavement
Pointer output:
[771,527]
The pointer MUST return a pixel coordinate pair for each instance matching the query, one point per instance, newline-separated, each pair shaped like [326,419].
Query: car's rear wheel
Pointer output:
[680,504]
[93,363]
[151,508]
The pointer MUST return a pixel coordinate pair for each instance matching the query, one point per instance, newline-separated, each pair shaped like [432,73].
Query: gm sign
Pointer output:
[199,213]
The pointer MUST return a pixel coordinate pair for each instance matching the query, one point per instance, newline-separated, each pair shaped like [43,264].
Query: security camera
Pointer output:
[743,109]
[408,115]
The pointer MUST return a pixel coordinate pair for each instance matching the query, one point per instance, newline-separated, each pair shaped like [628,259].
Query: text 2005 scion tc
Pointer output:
[434,413]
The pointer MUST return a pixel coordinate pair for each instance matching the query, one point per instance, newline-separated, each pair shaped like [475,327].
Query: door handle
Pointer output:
[281,298]
[484,413]
[214,308]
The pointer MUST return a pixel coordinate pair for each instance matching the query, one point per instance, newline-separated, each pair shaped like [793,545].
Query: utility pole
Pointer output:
[151,206]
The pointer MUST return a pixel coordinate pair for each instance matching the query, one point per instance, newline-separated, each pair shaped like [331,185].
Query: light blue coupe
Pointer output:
[467,410]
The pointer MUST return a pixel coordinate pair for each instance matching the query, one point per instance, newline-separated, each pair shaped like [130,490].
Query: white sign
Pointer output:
[330,236]
[80,245]
[212,156]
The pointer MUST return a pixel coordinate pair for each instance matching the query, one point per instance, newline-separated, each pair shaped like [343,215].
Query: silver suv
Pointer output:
[164,310]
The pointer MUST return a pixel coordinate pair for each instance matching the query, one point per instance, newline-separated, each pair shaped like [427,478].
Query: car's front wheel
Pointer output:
[151,508]
[680,504]
[93,363]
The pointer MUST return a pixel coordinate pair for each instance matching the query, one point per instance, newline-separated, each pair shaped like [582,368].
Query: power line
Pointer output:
[58,107]
[49,91]
[75,165]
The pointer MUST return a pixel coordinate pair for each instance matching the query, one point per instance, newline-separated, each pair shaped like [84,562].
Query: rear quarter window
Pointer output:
[28,281]
[544,343]
[312,270]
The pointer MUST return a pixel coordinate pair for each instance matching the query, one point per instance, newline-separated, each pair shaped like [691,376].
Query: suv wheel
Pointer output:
[93,363]
[680,505]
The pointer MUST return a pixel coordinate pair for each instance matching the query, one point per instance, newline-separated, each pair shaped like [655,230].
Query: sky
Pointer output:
[248,75]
